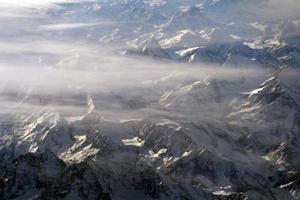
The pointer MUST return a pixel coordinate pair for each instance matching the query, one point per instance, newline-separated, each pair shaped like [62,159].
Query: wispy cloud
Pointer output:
[281,9]
[31,3]
[68,26]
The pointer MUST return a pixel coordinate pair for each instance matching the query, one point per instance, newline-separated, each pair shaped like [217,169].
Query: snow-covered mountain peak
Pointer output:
[170,117]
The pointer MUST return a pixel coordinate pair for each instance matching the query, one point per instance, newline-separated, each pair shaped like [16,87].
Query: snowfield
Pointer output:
[156,99]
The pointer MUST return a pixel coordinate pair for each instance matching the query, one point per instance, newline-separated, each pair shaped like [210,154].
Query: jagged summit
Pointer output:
[151,43]
[188,111]
[194,98]
[268,91]
[90,104]
[152,48]
[271,91]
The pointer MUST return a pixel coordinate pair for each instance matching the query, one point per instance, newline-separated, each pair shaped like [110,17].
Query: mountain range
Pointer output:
[220,121]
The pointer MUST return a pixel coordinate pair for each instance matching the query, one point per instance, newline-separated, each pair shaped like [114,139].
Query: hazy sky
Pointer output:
[282,8]
[30,3]
[34,61]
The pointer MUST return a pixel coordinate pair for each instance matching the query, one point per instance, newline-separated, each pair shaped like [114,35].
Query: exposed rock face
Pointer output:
[89,157]
[45,176]
[213,140]
[172,136]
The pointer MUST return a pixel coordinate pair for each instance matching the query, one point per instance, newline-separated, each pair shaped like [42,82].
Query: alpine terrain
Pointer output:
[149,99]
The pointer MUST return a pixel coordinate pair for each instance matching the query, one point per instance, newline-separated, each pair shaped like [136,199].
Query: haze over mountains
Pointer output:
[154,99]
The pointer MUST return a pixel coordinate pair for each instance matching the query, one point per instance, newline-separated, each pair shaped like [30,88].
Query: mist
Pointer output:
[47,74]
[282,9]
[48,65]
[149,99]
[44,76]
